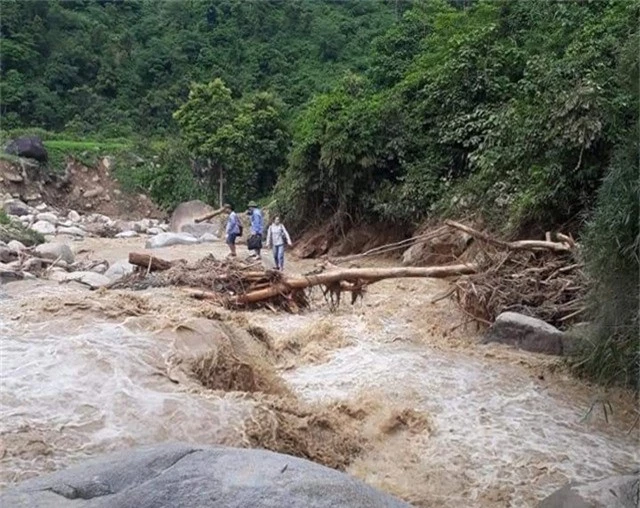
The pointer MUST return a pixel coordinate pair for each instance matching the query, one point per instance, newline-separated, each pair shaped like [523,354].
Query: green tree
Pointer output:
[242,142]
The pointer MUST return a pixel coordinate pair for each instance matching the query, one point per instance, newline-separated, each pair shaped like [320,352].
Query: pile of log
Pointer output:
[236,283]
[539,278]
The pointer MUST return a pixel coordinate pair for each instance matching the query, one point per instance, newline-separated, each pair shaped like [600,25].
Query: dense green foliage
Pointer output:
[124,66]
[243,141]
[510,107]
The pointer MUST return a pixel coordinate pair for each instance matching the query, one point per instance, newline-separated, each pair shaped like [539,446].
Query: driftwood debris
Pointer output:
[148,262]
[540,278]
[563,246]
[236,283]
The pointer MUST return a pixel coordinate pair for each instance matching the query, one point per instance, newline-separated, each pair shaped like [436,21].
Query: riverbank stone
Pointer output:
[187,476]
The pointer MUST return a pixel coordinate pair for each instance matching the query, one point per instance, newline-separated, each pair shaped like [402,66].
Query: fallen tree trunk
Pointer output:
[209,215]
[518,245]
[366,275]
[149,262]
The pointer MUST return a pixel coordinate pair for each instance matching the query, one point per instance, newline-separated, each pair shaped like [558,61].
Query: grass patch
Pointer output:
[86,151]
[13,230]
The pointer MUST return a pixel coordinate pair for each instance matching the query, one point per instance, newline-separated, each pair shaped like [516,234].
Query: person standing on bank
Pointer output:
[277,235]
[233,229]
[254,242]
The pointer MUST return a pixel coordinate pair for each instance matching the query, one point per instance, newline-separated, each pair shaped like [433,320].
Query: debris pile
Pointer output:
[541,279]
[235,283]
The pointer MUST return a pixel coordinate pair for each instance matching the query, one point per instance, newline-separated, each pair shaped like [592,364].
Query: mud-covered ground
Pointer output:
[395,389]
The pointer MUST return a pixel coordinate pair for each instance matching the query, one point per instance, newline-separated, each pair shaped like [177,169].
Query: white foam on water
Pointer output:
[94,389]
[494,424]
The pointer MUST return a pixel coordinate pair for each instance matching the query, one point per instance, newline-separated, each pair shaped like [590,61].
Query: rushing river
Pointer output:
[74,385]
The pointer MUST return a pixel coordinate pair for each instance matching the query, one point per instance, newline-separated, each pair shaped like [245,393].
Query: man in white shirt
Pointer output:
[277,235]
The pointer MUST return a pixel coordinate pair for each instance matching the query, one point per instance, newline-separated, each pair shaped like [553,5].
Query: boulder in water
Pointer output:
[172,475]
[613,492]
[168,239]
[55,251]
[525,332]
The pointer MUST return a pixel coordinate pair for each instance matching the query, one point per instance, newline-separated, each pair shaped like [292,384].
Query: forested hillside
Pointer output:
[118,67]
[522,113]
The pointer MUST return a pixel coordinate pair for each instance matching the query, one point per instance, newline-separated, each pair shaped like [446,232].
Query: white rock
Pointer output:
[16,246]
[72,231]
[44,227]
[168,239]
[47,216]
[91,279]
[127,234]
[119,269]
[73,216]
[140,226]
[55,250]
[101,268]
[41,207]
[57,274]
[208,237]
[154,231]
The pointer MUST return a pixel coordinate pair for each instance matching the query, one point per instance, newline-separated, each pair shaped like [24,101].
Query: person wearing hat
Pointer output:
[254,242]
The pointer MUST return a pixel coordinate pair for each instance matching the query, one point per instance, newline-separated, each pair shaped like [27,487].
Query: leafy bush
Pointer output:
[610,347]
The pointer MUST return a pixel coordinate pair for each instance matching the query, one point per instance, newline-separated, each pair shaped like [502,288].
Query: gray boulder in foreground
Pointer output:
[187,476]
[613,492]
[525,332]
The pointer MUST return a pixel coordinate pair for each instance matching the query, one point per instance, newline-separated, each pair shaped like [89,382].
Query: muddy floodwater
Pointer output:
[433,417]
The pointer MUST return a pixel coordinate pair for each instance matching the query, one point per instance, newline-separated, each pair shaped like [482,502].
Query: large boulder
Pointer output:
[168,239]
[525,332]
[55,250]
[30,147]
[442,249]
[16,207]
[185,213]
[43,227]
[198,230]
[187,476]
[613,492]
